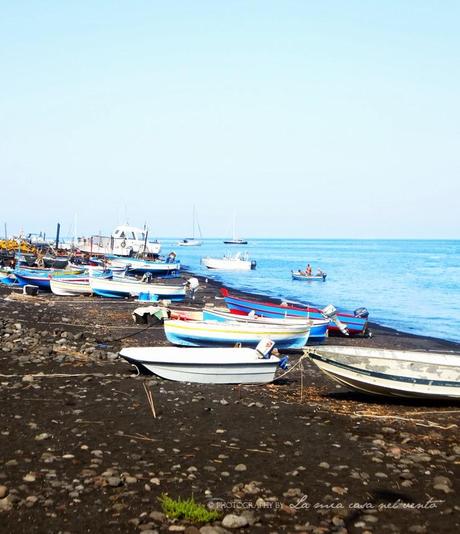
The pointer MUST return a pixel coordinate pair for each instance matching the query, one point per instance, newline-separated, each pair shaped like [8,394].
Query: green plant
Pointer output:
[187,509]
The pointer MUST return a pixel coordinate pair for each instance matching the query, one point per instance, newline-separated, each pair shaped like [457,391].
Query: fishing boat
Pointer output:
[354,322]
[192,241]
[318,327]
[235,240]
[205,365]
[70,288]
[394,373]
[125,241]
[41,277]
[205,333]
[235,262]
[300,275]
[55,262]
[121,288]
[141,266]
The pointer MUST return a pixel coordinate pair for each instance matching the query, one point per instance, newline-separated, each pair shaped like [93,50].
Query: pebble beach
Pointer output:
[83,450]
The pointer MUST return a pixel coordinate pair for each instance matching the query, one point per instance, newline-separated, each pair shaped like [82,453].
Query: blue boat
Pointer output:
[355,322]
[318,330]
[300,275]
[41,277]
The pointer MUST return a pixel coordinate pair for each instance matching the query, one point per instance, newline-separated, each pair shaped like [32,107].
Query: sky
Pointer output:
[306,119]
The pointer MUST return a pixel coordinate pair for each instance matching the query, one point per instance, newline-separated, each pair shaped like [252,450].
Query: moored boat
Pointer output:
[355,322]
[141,266]
[70,288]
[236,262]
[394,373]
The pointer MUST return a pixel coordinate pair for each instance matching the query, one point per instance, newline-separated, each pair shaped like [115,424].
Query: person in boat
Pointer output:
[171,257]
[308,270]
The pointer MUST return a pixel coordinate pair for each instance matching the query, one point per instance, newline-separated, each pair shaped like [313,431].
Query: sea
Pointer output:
[410,285]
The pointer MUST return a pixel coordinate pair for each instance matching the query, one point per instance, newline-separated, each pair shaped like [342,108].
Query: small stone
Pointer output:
[240,468]
[42,437]
[114,482]
[3,492]
[158,517]
[324,465]
[28,379]
[30,477]
[234,521]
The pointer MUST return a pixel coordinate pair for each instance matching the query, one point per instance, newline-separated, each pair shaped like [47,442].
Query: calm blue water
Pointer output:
[413,286]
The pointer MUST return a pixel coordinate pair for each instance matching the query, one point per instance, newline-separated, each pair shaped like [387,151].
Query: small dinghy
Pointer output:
[394,373]
[207,365]
[300,275]
[229,262]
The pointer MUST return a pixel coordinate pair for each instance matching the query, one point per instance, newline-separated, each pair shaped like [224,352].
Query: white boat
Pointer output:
[124,241]
[121,288]
[205,333]
[236,262]
[192,241]
[204,365]
[394,373]
[70,288]
[235,240]
[140,266]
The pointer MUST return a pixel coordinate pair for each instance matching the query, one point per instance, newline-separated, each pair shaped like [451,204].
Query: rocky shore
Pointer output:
[80,450]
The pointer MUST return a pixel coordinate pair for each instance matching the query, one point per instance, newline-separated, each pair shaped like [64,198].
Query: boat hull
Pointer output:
[119,288]
[204,366]
[243,306]
[318,329]
[406,374]
[65,288]
[296,275]
[210,333]
[225,264]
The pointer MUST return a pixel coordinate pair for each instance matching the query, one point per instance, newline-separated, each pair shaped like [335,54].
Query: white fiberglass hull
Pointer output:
[65,288]
[391,372]
[120,287]
[204,366]
[226,264]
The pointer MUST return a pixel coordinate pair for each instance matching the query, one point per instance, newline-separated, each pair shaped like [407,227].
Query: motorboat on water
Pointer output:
[230,262]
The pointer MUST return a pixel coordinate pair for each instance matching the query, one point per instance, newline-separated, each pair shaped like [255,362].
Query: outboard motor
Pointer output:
[330,312]
[192,285]
[253,265]
[362,313]
[147,277]
[265,347]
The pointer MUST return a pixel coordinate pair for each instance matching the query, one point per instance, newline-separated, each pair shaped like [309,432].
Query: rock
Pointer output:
[30,477]
[324,465]
[28,379]
[6,504]
[240,468]
[3,492]
[158,517]
[250,517]
[114,482]
[208,529]
[234,521]
[43,436]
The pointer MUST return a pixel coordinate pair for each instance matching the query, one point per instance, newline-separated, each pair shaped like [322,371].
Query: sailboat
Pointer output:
[234,240]
[191,241]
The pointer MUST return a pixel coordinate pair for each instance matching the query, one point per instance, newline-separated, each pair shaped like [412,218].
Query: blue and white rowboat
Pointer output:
[209,333]
[121,288]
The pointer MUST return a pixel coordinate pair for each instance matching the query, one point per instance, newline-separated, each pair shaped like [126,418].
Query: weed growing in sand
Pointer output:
[187,509]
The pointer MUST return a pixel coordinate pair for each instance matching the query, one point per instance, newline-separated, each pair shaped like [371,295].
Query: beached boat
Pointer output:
[192,241]
[204,365]
[141,266]
[206,333]
[236,262]
[55,262]
[318,327]
[394,373]
[70,288]
[355,322]
[300,275]
[121,288]
[124,241]
[41,277]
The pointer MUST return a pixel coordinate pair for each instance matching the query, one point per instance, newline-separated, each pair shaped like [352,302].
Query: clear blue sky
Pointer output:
[311,119]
